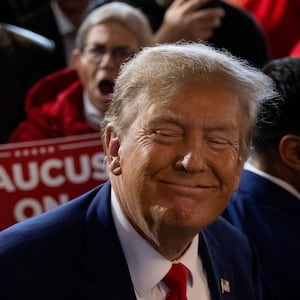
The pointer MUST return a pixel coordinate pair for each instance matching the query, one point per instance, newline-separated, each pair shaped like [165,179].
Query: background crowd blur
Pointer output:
[252,29]
[25,56]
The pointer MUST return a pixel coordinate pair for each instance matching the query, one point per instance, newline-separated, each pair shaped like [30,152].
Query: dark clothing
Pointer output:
[73,252]
[42,21]
[54,108]
[12,11]
[23,62]
[270,217]
[239,33]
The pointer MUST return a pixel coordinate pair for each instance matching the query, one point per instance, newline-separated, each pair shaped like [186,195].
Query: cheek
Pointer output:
[228,167]
[139,156]
[133,163]
[232,178]
[237,175]
[140,166]
[86,74]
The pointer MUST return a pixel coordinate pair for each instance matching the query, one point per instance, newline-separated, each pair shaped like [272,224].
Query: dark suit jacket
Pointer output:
[73,252]
[270,216]
[23,62]
[42,21]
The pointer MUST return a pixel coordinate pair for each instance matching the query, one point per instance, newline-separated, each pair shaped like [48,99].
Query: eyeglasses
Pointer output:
[95,53]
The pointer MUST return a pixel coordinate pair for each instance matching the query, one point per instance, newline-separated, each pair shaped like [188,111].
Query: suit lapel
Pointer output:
[103,259]
[219,274]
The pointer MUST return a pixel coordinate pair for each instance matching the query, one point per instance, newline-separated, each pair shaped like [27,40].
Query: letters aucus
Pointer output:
[40,175]
[53,172]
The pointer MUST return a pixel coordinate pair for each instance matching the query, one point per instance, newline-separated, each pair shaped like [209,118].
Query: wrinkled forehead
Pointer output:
[162,95]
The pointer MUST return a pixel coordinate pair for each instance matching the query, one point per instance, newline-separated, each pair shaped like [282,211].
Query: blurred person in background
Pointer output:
[59,21]
[13,11]
[25,57]
[219,23]
[266,206]
[73,101]
[296,50]
[280,21]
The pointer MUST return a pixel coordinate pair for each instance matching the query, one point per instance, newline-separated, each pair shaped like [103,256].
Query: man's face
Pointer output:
[180,161]
[107,46]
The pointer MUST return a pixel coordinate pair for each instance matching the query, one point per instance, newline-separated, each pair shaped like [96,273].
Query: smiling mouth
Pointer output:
[188,186]
[106,87]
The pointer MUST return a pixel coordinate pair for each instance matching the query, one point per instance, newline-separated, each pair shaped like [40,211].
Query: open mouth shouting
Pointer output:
[106,86]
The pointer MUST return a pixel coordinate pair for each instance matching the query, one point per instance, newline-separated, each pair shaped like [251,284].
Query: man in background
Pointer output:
[266,206]
[72,101]
[219,23]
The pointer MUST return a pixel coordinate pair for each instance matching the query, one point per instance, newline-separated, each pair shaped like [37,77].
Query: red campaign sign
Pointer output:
[40,175]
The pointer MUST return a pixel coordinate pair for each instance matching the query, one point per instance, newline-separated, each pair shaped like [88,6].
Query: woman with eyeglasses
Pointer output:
[72,101]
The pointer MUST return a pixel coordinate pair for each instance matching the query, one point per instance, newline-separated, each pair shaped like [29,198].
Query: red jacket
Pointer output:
[296,50]
[54,108]
[281,22]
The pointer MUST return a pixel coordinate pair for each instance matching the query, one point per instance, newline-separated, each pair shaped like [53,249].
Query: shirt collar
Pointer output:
[92,115]
[141,256]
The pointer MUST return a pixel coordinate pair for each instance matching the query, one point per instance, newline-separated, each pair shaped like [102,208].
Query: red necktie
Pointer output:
[176,280]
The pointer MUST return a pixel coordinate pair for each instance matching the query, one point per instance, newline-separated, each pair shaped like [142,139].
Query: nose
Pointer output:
[107,60]
[193,160]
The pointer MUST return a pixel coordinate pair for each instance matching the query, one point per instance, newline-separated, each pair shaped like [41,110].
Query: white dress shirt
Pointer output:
[147,267]
[93,115]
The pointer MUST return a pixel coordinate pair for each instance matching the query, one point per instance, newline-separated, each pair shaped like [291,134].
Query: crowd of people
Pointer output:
[239,28]
[72,101]
[197,102]
[266,204]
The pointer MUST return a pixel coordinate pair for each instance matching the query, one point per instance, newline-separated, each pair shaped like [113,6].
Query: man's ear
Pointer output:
[112,146]
[289,149]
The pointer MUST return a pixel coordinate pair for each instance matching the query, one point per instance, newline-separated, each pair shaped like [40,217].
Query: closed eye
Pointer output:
[167,132]
[219,143]
[167,135]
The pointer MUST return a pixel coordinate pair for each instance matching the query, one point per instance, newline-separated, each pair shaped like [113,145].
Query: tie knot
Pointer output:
[176,280]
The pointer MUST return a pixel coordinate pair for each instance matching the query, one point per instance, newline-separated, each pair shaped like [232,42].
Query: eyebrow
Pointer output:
[217,125]
[169,118]
[222,126]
